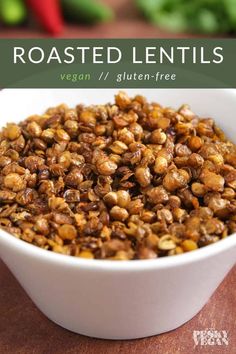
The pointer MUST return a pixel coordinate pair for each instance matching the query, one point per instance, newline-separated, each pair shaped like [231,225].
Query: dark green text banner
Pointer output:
[118,63]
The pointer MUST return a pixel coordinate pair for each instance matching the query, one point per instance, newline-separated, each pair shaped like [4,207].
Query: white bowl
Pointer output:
[114,299]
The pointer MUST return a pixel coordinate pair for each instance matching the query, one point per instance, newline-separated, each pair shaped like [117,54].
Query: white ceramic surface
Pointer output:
[112,299]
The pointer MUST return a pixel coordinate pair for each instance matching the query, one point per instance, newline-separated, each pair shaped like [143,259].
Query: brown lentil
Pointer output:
[143,176]
[14,182]
[118,213]
[122,181]
[67,232]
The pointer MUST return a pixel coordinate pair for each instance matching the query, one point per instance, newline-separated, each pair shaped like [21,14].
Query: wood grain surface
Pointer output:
[25,330]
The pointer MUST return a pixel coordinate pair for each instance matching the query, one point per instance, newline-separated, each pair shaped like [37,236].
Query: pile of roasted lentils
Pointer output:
[122,181]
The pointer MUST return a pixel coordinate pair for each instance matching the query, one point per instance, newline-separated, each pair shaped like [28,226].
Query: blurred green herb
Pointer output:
[12,12]
[88,11]
[200,16]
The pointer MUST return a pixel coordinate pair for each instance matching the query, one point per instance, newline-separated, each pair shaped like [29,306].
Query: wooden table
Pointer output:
[25,330]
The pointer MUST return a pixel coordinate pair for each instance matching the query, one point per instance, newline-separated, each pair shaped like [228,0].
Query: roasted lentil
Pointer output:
[122,181]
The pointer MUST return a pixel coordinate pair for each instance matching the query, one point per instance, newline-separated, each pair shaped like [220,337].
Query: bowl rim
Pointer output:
[23,247]
[31,250]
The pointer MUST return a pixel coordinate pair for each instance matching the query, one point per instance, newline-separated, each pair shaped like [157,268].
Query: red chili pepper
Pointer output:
[48,14]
